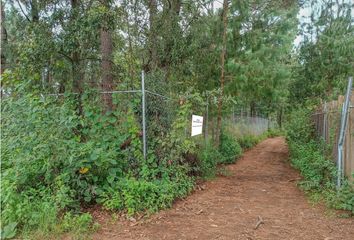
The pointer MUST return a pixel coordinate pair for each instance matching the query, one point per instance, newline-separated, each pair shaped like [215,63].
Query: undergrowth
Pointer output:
[313,159]
[55,163]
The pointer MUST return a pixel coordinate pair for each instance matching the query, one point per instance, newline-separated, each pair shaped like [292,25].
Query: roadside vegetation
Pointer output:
[49,175]
[320,74]
[70,142]
[313,158]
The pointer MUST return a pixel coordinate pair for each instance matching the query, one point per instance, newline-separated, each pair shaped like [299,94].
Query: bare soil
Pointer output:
[258,199]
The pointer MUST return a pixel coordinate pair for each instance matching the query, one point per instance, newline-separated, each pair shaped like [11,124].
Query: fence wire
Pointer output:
[327,122]
[153,109]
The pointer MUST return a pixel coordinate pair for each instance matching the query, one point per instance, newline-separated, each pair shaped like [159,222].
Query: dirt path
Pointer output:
[260,184]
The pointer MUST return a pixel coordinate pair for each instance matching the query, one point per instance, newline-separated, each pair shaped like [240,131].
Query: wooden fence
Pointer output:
[327,124]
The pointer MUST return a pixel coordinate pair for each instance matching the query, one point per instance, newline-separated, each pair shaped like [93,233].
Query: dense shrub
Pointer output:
[299,128]
[54,160]
[317,170]
[313,159]
[248,141]
[229,148]
[141,195]
[275,132]
[209,157]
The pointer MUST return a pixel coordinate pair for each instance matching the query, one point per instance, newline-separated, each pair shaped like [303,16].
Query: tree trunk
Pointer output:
[3,43]
[34,11]
[222,78]
[153,59]
[252,109]
[76,66]
[172,33]
[106,64]
[280,117]
[77,82]
[3,38]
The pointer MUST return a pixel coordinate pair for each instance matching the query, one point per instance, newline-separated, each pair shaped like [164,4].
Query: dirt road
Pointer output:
[261,189]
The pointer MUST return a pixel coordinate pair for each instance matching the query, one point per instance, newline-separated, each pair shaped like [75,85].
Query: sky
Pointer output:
[303,16]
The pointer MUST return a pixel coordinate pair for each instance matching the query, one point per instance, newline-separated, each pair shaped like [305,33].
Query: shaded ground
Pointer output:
[261,188]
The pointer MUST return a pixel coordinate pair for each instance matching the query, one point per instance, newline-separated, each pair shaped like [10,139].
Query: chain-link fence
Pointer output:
[151,108]
[236,120]
[159,110]
[334,123]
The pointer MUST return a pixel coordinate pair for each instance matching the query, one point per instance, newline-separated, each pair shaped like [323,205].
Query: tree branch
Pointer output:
[19,4]
[65,55]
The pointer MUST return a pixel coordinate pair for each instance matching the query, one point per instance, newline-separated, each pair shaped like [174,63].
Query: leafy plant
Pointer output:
[9,231]
[229,148]
[312,158]
[209,157]
[78,223]
[248,141]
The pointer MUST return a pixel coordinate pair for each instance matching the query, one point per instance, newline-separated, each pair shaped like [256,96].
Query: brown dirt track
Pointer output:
[261,184]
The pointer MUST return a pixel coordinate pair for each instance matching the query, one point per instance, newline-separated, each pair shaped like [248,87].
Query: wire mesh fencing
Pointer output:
[150,109]
[327,121]
[236,120]
[160,110]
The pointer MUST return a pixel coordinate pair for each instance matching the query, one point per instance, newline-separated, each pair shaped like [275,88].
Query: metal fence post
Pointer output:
[143,111]
[206,120]
[324,130]
[343,127]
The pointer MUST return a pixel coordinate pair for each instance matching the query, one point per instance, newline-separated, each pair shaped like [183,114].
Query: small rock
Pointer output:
[199,212]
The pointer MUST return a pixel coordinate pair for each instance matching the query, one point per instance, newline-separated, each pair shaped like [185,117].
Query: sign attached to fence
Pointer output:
[197,125]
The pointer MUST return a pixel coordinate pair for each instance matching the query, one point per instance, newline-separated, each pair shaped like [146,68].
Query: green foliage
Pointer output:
[229,148]
[260,60]
[299,128]
[76,223]
[314,162]
[141,195]
[343,199]
[9,231]
[275,132]
[325,55]
[47,167]
[55,160]
[209,157]
[248,141]
[317,170]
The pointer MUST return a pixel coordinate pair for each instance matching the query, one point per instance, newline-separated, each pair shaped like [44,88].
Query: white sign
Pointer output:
[197,125]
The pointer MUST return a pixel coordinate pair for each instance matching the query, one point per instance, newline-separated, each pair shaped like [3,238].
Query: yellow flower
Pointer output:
[83,170]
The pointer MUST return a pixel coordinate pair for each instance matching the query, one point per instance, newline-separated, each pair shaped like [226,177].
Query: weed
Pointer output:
[229,148]
[312,158]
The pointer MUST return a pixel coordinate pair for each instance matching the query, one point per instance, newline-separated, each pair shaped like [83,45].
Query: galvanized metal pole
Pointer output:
[324,130]
[143,111]
[206,120]
[343,127]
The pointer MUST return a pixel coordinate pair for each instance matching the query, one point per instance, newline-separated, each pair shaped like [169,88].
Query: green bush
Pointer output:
[229,148]
[141,195]
[342,199]
[275,132]
[313,159]
[54,160]
[299,128]
[77,223]
[317,170]
[248,141]
[209,158]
